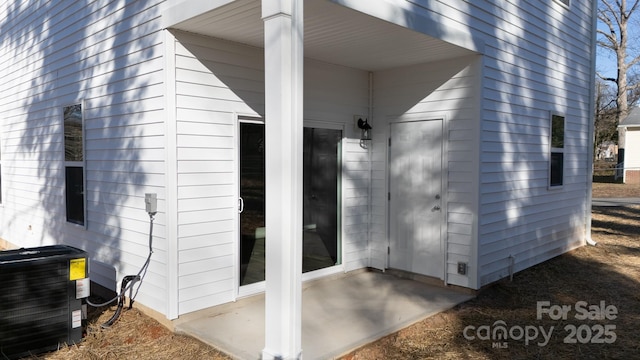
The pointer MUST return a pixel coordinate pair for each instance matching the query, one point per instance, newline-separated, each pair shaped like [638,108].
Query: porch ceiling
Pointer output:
[333,33]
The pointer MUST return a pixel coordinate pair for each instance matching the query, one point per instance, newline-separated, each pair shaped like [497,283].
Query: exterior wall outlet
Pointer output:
[151,203]
[462,268]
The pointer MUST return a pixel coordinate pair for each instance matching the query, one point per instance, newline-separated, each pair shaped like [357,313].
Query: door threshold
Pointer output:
[259,287]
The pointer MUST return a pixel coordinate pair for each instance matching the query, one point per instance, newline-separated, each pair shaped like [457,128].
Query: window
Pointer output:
[74,163]
[556,158]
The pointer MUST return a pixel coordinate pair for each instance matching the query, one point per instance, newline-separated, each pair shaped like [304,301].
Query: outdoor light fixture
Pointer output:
[365,128]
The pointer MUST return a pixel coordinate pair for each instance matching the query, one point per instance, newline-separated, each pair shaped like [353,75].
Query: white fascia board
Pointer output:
[182,10]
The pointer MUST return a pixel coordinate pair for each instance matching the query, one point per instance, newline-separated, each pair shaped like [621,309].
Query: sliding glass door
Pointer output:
[251,202]
[321,197]
[321,221]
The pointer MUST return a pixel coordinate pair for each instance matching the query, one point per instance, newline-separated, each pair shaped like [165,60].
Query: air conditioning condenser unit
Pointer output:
[41,302]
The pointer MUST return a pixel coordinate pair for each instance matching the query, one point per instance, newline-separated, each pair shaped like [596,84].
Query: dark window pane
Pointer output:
[321,175]
[75,195]
[73,133]
[252,192]
[557,166]
[557,131]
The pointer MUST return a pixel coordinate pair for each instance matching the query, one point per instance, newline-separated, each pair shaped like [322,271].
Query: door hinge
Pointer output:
[389,196]
[389,142]
[388,250]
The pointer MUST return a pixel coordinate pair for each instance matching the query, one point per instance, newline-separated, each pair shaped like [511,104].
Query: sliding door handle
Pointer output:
[240,205]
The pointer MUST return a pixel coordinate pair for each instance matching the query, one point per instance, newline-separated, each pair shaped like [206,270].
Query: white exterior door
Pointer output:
[415,186]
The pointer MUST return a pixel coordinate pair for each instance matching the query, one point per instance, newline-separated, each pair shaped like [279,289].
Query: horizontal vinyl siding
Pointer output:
[108,55]
[356,205]
[379,240]
[534,62]
[214,81]
[535,65]
[333,96]
[217,81]
[442,90]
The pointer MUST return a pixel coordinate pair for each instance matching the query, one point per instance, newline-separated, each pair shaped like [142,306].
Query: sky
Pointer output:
[605,60]
[606,64]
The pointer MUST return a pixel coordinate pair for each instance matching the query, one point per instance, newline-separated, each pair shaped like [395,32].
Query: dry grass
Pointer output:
[609,272]
[133,336]
[615,190]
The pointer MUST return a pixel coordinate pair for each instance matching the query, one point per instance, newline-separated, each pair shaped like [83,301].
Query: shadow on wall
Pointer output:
[234,75]
[447,91]
[522,216]
[526,73]
[99,56]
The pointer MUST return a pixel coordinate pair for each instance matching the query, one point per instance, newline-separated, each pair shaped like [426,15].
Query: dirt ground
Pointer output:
[133,336]
[615,190]
[605,277]
[602,276]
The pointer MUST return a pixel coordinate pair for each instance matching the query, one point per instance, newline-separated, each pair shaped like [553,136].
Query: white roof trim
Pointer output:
[184,10]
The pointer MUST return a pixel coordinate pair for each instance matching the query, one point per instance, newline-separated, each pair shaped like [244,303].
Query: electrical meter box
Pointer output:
[42,299]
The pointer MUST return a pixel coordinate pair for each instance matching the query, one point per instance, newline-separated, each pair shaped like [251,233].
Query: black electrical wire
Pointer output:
[143,271]
[128,282]
[127,279]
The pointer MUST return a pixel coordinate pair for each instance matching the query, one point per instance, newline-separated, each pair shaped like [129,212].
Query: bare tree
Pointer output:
[614,37]
[605,125]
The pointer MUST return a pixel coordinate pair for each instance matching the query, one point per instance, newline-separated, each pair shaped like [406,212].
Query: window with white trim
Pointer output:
[74,163]
[556,149]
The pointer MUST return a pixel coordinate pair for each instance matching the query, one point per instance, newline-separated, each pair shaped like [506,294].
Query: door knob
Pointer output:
[436,208]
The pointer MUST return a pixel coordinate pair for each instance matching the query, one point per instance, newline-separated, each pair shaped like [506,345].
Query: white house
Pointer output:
[629,128]
[242,117]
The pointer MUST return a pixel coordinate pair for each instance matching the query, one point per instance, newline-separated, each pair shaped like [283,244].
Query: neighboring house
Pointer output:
[629,128]
[607,151]
[479,163]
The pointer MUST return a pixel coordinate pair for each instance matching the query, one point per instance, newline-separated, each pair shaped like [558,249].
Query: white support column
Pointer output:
[283,47]
[171,184]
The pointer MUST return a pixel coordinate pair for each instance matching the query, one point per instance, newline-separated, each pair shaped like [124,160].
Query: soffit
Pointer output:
[333,33]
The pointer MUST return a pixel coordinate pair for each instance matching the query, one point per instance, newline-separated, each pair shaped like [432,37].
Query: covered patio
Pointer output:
[356,308]
[339,314]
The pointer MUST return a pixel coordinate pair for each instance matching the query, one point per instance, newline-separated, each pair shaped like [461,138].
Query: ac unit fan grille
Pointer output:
[34,310]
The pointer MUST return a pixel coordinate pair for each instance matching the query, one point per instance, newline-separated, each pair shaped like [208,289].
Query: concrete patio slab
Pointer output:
[338,315]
